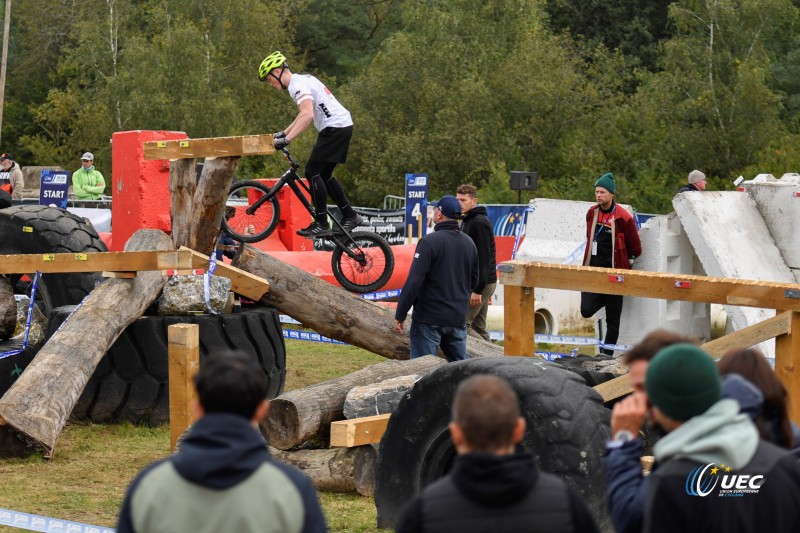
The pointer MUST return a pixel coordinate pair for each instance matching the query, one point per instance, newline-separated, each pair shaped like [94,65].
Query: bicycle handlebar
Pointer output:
[289,158]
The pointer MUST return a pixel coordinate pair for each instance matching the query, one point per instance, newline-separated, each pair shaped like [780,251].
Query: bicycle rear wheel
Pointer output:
[373,267]
[246,226]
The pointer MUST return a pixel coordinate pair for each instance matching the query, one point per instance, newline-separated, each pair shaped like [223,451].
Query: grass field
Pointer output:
[93,464]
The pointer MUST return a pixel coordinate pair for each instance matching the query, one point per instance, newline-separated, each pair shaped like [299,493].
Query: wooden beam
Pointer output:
[210,147]
[242,282]
[666,286]
[774,327]
[787,363]
[358,431]
[749,336]
[183,354]
[519,321]
[95,262]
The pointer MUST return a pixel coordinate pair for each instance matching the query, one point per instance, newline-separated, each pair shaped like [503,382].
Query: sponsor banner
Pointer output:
[53,188]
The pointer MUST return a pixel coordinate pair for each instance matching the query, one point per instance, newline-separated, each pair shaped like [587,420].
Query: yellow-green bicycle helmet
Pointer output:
[272,61]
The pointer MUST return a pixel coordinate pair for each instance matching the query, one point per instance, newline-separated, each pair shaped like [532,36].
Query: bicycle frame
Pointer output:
[300,189]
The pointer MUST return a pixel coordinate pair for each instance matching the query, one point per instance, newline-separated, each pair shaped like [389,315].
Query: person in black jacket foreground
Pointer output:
[712,472]
[477,226]
[492,487]
[442,277]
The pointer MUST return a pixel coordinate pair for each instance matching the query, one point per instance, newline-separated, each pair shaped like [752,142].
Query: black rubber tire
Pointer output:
[131,383]
[591,377]
[36,229]
[567,427]
[373,273]
[12,366]
[262,223]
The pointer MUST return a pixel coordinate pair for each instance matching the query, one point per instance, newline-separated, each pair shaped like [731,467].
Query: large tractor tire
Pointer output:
[38,229]
[131,383]
[567,427]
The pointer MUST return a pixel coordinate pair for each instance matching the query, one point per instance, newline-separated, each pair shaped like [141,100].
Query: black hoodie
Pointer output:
[496,493]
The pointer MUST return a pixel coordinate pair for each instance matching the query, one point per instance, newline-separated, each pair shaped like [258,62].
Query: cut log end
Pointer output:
[282,424]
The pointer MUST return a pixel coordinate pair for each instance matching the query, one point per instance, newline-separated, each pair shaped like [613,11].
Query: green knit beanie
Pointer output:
[606,181]
[682,381]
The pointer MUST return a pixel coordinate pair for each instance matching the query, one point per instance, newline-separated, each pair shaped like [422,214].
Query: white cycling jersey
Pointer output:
[328,112]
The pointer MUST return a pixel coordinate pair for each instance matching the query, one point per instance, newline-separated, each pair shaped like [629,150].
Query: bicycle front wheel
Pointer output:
[245,222]
[370,267]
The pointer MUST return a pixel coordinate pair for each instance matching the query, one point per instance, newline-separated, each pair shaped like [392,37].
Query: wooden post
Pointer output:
[787,364]
[184,362]
[519,322]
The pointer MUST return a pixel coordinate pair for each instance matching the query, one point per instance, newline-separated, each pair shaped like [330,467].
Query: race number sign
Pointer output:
[416,206]
[53,190]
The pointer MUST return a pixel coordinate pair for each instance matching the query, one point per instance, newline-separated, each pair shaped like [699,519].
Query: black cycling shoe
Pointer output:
[315,230]
[351,223]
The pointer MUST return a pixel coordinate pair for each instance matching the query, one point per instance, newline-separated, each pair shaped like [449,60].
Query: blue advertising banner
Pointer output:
[54,186]
[505,219]
[416,206]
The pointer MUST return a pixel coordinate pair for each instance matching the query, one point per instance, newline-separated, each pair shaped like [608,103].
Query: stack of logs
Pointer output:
[298,424]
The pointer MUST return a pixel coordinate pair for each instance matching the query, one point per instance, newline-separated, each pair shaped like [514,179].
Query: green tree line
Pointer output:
[465,90]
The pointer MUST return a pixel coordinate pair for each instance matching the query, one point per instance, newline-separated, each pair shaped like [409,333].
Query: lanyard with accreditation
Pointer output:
[601,224]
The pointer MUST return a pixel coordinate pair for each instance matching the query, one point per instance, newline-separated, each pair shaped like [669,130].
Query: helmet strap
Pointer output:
[279,77]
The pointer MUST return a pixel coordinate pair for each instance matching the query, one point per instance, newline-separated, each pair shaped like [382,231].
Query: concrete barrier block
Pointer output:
[732,240]
[779,205]
[665,248]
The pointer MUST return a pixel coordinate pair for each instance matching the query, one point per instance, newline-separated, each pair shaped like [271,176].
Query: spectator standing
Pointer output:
[335,126]
[492,487]
[223,479]
[626,486]
[696,182]
[612,240]
[443,275]
[11,179]
[87,182]
[477,226]
[710,448]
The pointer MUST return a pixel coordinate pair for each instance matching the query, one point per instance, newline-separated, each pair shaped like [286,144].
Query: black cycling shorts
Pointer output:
[332,145]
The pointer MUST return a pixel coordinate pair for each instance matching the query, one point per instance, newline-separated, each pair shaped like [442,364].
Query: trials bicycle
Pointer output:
[361,261]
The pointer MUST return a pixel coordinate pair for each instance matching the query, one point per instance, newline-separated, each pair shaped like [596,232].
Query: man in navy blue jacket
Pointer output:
[442,278]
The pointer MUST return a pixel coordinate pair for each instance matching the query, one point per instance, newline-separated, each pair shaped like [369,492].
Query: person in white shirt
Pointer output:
[335,127]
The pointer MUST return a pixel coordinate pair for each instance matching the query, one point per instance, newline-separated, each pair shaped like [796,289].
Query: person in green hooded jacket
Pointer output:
[88,183]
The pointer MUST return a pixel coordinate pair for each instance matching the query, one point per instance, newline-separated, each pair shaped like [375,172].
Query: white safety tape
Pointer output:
[35,522]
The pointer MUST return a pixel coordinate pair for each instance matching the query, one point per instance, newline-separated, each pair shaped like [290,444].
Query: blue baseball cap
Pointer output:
[449,206]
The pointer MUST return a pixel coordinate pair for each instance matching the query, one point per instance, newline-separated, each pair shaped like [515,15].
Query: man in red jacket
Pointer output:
[612,240]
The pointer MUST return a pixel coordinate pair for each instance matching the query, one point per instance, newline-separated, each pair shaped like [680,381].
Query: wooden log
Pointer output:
[38,404]
[198,205]
[208,203]
[330,469]
[364,462]
[306,414]
[340,315]
[377,398]
[182,185]
[8,309]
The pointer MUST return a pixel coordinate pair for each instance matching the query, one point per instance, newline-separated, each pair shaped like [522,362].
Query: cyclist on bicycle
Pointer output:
[335,127]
